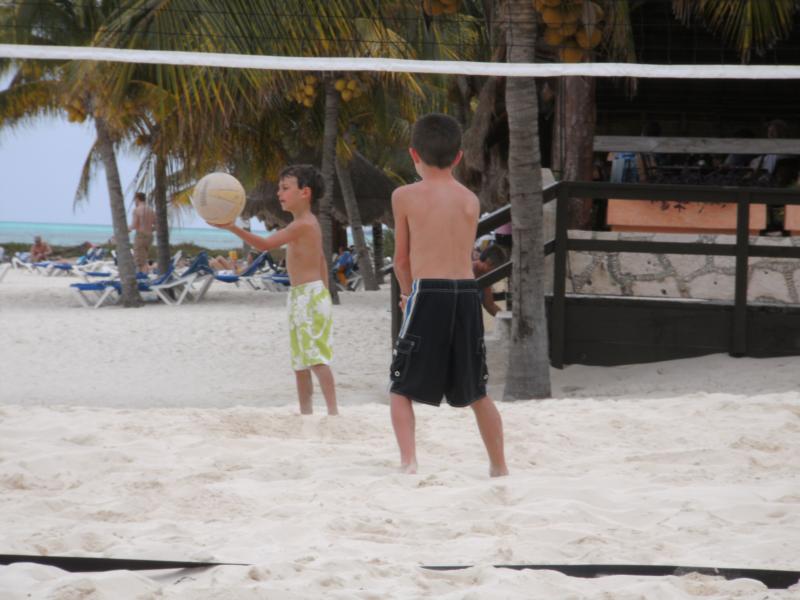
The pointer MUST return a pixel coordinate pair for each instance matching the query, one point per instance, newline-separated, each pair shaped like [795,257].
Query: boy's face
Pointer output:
[291,196]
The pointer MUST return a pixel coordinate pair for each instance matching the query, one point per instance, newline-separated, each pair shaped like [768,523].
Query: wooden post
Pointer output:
[739,325]
[377,250]
[559,278]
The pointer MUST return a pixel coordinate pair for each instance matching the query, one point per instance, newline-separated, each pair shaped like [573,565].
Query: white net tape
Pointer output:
[304,63]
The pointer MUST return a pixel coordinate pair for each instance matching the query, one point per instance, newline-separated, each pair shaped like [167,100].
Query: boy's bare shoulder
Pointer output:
[403,192]
[305,228]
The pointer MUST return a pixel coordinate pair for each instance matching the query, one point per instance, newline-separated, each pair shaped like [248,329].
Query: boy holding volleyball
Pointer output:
[310,316]
[440,350]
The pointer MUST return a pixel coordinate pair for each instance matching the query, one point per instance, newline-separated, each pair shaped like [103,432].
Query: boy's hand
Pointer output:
[402,303]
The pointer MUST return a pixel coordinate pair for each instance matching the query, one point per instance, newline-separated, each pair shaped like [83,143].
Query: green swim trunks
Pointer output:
[310,325]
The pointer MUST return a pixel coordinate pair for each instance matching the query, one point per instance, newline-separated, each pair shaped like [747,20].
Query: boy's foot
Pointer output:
[409,469]
[498,471]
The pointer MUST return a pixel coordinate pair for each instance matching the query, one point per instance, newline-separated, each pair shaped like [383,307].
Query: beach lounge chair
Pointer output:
[249,275]
[275,282]
[353,282]
[193,283]
[95,294]
[66,268]
[21,260]
[4,269]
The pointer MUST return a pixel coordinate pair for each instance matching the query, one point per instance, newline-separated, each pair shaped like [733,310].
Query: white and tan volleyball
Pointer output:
[219,198]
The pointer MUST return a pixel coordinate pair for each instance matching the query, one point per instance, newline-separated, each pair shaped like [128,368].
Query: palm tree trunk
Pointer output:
[528,374]
[329,135]
[377,251]
[354,216]
[162,220]
[573,143]
[127,270]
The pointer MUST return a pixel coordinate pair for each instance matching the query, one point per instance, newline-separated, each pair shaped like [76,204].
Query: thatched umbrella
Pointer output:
[373,191]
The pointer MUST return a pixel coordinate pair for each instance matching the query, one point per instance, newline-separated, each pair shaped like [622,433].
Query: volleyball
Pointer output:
[218,198]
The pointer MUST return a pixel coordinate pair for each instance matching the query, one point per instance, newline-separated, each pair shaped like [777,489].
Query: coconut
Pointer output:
[553,37]
[571,52]
[588,41]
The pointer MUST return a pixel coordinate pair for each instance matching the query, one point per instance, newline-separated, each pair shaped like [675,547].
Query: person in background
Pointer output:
[776,129]
[491,258]
[343,266]
[502,235]
[636,167]
[144,222]
[740,160]
[40,251]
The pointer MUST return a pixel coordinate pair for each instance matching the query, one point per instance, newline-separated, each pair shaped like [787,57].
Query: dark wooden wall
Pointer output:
[606,330]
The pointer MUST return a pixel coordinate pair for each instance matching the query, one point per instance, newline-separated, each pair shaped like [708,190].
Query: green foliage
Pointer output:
[388,242]
[748,25]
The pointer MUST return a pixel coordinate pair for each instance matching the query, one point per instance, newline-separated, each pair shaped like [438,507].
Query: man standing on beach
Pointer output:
[144,221]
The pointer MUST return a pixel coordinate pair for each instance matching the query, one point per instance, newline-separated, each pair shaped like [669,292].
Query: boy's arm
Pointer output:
[402,259]
[488,301]
[276,240]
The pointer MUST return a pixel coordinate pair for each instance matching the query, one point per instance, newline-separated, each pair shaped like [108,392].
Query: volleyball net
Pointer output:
[394,65]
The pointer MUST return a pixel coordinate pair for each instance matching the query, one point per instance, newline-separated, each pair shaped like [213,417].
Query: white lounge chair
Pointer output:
[192,284]
[94,294]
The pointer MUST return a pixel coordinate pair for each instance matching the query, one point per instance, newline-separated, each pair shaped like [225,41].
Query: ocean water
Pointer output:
[65,234]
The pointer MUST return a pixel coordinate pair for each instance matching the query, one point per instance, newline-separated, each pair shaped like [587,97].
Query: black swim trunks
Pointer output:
[440,350]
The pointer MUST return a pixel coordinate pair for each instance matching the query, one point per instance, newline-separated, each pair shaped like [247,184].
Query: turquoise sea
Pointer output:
[64,234]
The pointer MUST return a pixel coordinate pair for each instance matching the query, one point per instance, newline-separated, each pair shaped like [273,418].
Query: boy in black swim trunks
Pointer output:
[440,350]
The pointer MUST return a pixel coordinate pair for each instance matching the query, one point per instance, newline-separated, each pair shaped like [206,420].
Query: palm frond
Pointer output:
[747,25]
[90,165]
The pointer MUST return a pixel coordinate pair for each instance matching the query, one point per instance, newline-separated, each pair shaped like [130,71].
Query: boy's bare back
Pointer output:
[438,218]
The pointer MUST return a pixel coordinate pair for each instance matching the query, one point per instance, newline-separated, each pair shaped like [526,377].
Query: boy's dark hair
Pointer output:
[308,176]
[494,255]
[437,139]
[140,196]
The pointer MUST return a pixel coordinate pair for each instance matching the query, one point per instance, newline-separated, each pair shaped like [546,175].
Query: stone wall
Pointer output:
[770,280]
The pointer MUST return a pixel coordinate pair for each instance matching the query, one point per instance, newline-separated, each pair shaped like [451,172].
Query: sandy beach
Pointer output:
[173,433]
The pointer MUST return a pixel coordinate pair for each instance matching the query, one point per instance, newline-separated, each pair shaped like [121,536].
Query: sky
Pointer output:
[40,165]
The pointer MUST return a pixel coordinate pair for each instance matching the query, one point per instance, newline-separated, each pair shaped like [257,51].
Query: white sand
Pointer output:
[173,433]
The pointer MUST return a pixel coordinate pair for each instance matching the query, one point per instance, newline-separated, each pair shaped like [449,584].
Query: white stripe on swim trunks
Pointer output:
[410,303]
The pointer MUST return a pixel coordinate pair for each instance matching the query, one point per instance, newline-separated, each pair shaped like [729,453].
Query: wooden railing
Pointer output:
[561,192]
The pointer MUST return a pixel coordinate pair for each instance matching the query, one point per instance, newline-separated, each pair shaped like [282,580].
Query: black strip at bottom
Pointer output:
[89,564]
[773,579]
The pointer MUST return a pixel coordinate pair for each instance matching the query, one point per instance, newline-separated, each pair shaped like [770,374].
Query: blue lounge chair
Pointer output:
[95,294]
[275,282]
[192,283]
[249,275]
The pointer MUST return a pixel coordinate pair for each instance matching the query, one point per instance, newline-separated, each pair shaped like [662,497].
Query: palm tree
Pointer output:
[749,25]
[331,132]
[354,216]
[38,89]
[528,374]
[272,27]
